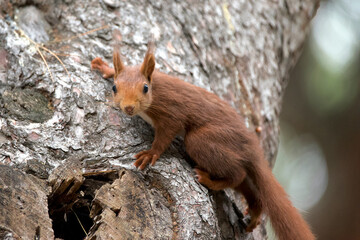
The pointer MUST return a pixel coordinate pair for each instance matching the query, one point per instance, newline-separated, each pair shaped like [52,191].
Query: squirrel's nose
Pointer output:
[129,110]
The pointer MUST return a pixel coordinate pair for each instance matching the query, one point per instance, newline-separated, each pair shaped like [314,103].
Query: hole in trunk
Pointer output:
[71,226]
[70,213]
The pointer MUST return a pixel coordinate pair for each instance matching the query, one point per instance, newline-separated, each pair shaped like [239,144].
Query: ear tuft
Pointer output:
[118,65]
[148,66]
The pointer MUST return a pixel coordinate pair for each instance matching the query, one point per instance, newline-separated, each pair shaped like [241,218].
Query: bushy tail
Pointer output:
[285,219]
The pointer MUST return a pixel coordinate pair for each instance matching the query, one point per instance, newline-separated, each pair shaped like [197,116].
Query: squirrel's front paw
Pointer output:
[145,157]
[98,64]
[103,67]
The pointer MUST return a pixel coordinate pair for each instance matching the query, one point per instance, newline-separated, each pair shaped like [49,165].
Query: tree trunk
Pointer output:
[58,129]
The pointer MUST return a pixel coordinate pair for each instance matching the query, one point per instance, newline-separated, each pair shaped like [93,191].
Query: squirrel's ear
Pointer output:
[148,66]
[118,65]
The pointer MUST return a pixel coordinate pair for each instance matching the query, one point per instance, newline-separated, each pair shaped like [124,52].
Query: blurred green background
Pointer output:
[319,156]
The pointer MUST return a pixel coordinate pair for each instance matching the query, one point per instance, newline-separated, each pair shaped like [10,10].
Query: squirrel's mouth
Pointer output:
[130,114]
[129,110]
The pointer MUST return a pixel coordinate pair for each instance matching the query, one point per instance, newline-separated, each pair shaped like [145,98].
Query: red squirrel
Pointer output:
[226,153]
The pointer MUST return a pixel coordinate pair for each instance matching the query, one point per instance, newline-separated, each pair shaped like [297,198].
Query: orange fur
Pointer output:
[226,153]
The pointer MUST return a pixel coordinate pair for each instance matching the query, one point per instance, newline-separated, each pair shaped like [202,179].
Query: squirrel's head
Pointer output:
[132,85]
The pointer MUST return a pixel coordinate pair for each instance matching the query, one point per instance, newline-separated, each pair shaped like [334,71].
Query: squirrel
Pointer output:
[226,153]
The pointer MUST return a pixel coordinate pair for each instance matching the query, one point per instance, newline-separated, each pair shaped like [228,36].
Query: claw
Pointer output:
[144,158]
[144,162]
[246,211]
[154,158]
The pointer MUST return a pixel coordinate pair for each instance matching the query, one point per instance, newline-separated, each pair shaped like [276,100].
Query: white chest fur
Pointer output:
[149,121]
[146,118]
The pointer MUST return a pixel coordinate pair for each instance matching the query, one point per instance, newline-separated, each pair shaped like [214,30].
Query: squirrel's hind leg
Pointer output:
[246,188]
[213,184]
[251,194]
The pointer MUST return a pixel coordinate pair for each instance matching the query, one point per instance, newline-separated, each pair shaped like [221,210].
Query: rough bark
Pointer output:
[61,128]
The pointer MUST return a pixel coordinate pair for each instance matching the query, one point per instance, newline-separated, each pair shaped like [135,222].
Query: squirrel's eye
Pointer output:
[146,88]
[114,89]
